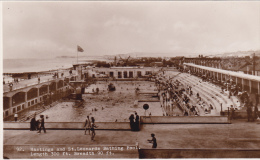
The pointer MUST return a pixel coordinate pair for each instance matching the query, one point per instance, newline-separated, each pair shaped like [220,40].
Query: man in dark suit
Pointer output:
[136,122]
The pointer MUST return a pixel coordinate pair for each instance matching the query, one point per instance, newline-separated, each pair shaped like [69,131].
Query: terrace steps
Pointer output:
[222,98]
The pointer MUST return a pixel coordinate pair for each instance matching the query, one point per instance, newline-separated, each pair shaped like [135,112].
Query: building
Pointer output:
[123,72]
[24,98]
[250,83]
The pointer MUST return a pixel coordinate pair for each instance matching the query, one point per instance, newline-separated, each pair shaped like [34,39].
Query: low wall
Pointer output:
[242,114]
[122,125]
[69,125]
[184,119]
[199,153]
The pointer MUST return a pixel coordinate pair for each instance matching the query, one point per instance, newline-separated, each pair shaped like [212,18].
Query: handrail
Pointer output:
[35,83]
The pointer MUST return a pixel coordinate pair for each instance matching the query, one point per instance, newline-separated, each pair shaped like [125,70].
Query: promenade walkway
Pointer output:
[169,136]
[33,81]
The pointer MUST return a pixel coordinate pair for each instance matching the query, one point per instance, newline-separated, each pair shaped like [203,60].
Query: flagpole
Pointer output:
[77,56]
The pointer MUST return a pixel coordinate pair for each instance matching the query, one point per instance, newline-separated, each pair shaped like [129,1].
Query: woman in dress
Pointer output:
[131,118]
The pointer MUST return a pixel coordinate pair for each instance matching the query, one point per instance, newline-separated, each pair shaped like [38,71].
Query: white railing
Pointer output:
[34,83]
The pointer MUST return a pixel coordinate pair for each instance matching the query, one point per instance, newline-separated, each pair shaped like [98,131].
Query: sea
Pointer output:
[38,65]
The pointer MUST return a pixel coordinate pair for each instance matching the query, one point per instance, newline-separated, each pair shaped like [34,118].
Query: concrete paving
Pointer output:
[238,135]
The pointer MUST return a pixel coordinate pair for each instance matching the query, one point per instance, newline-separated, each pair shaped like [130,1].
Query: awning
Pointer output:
[230,73]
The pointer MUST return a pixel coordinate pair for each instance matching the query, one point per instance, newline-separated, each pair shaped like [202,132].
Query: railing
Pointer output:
[35,83]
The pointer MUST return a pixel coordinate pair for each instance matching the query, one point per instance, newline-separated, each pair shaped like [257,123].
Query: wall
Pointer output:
[185,119]
[69,125]
[242,114]
[199,153]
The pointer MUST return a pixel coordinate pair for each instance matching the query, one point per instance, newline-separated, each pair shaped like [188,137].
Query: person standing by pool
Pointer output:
[136,121]
[11,86]
[87,125]
[15,117]
[131,118]
[93,126]
[41,124]
[33,124]
[153,140]
[232,109]
[249,111]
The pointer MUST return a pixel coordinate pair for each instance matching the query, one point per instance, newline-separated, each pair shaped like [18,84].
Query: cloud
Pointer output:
[50,29]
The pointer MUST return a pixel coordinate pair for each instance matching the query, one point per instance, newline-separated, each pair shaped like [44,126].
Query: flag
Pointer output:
[80,49]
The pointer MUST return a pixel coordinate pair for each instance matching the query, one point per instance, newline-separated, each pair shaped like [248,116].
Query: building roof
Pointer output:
[126,67]
[231,73]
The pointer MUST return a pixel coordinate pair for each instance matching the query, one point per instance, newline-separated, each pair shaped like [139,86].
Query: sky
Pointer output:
[51,29]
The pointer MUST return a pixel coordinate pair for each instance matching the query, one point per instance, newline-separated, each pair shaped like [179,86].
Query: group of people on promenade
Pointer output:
[15,80]
[37,125]
[134,122]
[252,109]
[90,126]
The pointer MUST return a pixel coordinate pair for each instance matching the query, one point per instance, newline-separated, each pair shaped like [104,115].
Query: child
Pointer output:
[153,140]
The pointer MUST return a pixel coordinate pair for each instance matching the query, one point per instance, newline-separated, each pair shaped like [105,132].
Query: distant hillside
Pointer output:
[66,56]
[238,54]
[146,54]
